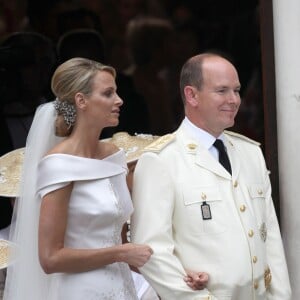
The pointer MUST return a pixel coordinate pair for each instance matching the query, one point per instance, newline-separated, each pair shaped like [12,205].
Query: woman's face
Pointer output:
[104,102]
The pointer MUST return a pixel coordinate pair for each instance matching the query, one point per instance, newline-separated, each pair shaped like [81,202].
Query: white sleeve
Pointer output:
[151,224]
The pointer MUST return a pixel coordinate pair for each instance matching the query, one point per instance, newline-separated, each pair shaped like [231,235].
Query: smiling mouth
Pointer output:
[230,110]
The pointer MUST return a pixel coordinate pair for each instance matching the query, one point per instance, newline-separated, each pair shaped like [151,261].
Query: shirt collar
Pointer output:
[200,135]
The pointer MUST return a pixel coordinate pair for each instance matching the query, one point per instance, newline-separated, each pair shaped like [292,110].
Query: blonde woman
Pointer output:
[74,198]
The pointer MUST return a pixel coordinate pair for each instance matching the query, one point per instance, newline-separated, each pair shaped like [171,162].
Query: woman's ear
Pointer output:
[190,93]
[80,101]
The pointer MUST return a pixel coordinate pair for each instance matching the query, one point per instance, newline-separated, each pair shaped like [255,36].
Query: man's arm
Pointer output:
[154,200]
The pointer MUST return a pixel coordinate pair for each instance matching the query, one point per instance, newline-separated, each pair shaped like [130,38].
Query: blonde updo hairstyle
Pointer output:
[73,76]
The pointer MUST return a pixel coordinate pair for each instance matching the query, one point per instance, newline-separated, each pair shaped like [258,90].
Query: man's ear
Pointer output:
[80,101]
[191,95]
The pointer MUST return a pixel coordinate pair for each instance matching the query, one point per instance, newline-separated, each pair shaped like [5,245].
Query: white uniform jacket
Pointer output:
[240,247]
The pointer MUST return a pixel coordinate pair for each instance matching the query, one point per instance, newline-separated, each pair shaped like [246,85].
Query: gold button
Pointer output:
[235,184]
[254,259]
[251,233]
[203,196]
[192,146]
[242,208]
[255,284]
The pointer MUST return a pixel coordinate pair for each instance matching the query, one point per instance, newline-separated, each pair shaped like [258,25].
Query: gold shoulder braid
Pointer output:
[160,143]
[243,137]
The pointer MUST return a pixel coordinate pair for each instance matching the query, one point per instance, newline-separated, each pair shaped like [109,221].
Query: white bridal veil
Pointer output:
[25,278]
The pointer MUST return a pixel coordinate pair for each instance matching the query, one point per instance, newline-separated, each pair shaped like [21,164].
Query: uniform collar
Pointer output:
[201,136]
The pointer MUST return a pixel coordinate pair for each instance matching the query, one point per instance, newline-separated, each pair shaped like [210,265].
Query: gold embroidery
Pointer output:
[160,143]
[268,278]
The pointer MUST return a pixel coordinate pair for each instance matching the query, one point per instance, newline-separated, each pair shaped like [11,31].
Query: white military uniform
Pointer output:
[240,247]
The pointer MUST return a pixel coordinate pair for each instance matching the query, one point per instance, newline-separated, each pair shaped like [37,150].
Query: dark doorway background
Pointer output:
[242,30]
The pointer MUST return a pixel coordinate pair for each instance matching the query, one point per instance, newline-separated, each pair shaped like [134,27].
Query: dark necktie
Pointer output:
[223,157]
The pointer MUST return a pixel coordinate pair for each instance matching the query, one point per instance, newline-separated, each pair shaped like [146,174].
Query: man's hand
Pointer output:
[196,280]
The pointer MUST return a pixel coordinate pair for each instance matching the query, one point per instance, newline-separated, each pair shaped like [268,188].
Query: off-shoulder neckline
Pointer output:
[83,157]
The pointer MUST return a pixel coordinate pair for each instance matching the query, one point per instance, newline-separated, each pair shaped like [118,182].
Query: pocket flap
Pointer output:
[199,194]
[256,191]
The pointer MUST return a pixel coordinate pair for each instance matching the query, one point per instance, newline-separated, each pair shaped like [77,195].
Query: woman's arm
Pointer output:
[54,257]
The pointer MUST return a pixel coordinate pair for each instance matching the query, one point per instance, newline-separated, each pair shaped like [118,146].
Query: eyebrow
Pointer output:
[226,86]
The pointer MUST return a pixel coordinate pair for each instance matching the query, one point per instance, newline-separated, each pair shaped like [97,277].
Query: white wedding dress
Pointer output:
[100,204]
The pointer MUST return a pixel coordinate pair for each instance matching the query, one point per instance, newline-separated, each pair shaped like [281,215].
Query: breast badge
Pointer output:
[263,231]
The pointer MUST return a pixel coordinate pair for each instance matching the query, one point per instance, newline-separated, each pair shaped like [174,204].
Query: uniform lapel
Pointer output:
[205,160]
[233,156]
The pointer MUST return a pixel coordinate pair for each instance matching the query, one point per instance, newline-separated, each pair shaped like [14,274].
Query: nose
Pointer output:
[234,97]
[119,101]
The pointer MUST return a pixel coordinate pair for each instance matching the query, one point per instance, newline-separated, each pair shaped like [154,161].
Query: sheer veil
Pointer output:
[25,278]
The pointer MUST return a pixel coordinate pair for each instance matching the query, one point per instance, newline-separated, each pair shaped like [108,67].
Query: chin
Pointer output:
[228,125]
[113,124]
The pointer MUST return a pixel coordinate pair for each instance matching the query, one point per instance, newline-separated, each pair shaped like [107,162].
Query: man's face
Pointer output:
[218,100]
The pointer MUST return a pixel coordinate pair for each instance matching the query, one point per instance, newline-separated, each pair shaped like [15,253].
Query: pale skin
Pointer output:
[95,111]
[214,107]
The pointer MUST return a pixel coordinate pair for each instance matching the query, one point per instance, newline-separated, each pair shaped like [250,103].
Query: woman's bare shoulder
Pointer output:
[105,149]
[59,148]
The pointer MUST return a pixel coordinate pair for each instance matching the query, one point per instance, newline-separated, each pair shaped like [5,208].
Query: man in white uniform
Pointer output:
[202,206]
[133,146]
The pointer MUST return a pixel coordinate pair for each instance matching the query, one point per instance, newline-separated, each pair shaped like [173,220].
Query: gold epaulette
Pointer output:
[243,137]
[160,143]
